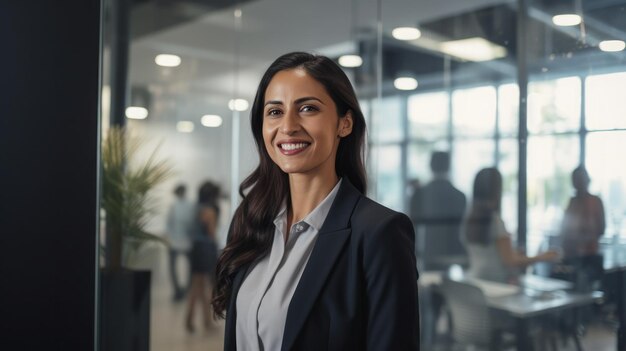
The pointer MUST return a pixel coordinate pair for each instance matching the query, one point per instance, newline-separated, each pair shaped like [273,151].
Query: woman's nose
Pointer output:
[290,123]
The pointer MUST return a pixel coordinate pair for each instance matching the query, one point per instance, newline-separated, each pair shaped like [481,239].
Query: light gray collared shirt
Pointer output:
[265,294]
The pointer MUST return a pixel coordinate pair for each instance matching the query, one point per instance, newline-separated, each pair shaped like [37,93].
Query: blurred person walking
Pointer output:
[203,253]
[178,222]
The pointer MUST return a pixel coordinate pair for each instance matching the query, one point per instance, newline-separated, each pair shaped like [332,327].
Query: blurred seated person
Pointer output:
[437,210]
[488,243]
[583,221]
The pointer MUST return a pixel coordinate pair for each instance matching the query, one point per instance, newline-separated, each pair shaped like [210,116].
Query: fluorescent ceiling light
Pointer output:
[566,20]
[212,121]
[184,126]
[136,112]
[350,61]
[612,45]
[473,49]
[406,33]
[405,83]
[167,60]
[238,104]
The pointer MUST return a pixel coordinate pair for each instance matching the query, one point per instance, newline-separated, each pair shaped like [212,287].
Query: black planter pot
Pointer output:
[124,310]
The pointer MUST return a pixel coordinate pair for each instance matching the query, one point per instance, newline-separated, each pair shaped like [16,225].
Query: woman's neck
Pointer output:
[306,193]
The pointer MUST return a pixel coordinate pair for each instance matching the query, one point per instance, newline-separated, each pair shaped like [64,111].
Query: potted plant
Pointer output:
[127,204]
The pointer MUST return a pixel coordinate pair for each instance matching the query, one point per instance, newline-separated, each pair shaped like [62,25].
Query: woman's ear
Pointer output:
[345,125]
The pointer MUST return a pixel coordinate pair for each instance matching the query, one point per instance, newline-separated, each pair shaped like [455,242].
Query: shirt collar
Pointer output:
[317,217]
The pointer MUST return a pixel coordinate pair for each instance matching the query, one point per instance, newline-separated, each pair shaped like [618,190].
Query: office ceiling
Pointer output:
[221,59]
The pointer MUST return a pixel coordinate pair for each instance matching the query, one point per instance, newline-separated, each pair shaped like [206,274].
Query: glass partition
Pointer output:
[447,90]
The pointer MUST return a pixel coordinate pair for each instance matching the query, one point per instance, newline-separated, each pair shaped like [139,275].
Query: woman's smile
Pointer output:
[292,147]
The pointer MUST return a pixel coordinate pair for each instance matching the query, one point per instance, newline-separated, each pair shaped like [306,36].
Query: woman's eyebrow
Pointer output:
[297,101]
[273,102]
[307,98]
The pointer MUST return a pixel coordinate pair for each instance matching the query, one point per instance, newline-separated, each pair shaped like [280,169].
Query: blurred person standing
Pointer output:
[203,255]
[583,221]
[178,222]
[437,210]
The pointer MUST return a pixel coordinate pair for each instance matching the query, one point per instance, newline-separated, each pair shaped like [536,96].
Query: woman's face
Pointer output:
[301,127]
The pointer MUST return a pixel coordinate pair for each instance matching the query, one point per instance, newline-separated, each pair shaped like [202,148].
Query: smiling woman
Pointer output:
[301,125]
[305,239]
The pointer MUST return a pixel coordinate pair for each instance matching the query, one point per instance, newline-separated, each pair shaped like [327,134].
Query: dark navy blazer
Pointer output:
[358,290]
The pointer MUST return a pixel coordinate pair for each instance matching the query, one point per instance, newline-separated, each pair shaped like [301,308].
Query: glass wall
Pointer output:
[490,83]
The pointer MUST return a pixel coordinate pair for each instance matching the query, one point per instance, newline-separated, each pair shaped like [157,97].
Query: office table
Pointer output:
[523,302]
[523,307]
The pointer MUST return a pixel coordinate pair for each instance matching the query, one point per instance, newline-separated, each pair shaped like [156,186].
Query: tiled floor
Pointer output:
[167,320]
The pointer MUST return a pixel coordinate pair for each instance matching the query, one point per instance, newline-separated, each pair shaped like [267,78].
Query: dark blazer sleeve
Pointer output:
[391,285]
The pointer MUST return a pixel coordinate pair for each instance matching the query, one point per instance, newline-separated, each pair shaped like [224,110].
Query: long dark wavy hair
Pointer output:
[485,203]
[264,191]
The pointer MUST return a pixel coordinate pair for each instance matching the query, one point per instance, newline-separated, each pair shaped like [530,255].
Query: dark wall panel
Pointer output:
[49,63]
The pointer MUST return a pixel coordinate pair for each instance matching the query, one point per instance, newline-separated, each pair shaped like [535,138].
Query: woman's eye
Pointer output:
[308,108]
[273,112]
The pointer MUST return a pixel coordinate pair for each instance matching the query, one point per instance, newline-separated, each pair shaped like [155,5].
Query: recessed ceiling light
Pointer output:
[405,83]
[136,112]
[566,20]
[473,49]
[212,121]
[185,126]
[167,60]
[406,33]
[350,61]
[238,104]
[612,45]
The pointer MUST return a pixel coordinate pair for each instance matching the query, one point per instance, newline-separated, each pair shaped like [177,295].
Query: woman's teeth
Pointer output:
[295,146]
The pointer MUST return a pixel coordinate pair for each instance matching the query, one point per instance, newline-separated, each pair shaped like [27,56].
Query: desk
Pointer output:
[523,307]
[513,300]
[537,283]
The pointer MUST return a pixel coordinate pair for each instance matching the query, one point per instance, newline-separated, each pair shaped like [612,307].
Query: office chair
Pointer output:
[472,322]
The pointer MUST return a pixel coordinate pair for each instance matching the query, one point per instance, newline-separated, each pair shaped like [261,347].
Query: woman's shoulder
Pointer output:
[369,214]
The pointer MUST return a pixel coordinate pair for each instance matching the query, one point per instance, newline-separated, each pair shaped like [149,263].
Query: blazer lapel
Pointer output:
[330,242]
[230,337]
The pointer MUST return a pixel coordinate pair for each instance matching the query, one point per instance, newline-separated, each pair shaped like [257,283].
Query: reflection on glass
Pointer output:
[454,108]
[604,101]
[554,105]
[428,115]
[474,111]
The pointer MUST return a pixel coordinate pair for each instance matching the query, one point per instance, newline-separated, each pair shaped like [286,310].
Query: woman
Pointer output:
[583,222]
[487,241]
[203,254]
[311,263]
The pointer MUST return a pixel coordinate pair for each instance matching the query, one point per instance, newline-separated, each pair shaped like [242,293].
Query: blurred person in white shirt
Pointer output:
[178,222]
